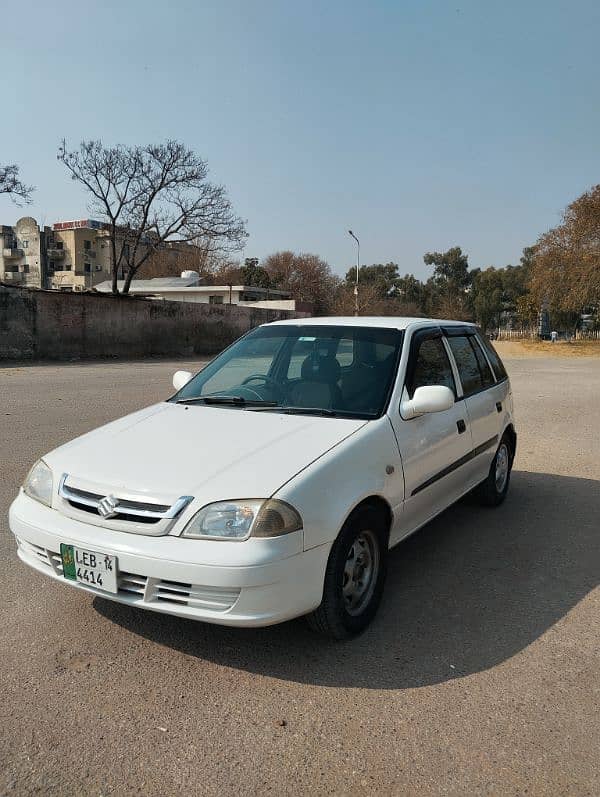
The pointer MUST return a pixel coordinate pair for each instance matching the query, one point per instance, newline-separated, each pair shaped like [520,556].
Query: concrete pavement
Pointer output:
[480,674]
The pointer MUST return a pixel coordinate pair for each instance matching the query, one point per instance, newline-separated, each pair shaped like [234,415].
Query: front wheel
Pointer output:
[354,577]
[493,490]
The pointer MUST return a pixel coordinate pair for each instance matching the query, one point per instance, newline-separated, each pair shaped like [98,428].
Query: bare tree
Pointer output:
[227,272]
[11,184]
[149,196]
[173,258]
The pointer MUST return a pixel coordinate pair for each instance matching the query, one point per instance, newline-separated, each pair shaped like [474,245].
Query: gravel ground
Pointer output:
[480,674]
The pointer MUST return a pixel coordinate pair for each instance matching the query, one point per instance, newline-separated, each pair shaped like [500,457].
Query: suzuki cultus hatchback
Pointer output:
[273,483]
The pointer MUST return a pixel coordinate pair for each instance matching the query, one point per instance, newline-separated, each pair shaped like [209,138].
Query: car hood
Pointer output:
[212,453]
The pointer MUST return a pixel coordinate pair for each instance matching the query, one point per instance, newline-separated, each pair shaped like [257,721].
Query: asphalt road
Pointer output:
[481,673]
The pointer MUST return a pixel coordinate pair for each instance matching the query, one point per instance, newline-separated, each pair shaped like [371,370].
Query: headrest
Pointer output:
[364,352]
[316,368]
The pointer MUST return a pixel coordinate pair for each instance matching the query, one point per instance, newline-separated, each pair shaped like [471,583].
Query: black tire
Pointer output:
[342,615]
[493,490]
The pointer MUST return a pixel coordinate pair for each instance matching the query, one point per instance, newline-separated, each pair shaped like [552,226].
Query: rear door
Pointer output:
[483,395]
[433,446]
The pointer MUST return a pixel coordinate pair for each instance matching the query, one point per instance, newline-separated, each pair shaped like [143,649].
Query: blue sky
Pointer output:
[420,124]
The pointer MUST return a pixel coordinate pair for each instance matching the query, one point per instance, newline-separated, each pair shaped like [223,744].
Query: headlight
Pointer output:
[38,483]
[238,520]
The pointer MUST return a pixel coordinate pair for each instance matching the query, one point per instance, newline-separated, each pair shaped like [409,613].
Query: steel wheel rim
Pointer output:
[360,572]
[501,475]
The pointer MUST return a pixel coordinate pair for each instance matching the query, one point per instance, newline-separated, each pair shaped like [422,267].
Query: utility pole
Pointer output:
[357,268]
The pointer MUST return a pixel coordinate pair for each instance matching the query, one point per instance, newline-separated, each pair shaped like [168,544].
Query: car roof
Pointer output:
[386,322]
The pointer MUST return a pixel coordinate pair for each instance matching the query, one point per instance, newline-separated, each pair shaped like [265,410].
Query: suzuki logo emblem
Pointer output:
[107,507]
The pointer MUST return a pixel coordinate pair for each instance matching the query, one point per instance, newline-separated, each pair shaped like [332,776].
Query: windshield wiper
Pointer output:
[309,411]
[257,405]
[316,411]
[237,401]
[303,410]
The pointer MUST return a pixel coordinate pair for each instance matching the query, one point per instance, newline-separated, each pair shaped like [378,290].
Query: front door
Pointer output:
[434,447]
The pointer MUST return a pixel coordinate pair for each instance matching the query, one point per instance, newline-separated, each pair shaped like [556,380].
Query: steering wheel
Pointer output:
[267,381]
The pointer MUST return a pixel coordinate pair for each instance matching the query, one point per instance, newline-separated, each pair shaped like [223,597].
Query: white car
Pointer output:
[273,482]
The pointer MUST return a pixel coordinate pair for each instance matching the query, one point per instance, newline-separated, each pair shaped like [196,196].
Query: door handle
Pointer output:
[498,406]
[461,426]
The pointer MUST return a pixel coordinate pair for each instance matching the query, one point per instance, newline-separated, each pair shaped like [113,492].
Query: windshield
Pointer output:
[329,370]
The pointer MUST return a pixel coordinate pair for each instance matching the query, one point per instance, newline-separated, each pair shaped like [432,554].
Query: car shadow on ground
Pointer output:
[467,592]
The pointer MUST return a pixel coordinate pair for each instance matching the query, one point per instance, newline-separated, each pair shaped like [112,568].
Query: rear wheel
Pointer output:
[354,577]
[493,490]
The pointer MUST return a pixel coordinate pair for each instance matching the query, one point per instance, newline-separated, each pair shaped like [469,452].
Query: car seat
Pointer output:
[318,385]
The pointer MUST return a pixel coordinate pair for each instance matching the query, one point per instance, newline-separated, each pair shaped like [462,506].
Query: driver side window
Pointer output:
[431,367]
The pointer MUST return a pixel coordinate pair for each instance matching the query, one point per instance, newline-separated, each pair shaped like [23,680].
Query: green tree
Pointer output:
[488,298]
[515,284]
[411,290]
[382,291]
[450,270]
[447,291]
[527,259]
[496,295]
[255,275]
[382,277]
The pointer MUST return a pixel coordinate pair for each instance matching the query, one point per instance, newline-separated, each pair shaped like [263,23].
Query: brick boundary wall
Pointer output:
[50,325]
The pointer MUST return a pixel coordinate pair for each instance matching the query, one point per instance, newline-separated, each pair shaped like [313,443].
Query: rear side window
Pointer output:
[493,357]
[432,367]
[468,366]
[487,376]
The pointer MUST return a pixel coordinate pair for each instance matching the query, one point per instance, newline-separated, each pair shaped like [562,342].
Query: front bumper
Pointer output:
[239,584]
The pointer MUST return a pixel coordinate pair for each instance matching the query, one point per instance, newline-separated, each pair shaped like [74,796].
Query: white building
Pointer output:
[187,288]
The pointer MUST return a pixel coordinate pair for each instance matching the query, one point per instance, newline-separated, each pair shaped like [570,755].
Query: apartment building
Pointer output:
[23,253]
[78,255]
[69,256]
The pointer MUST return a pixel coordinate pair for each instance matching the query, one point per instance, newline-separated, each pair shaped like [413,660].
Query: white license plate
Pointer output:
[92,568]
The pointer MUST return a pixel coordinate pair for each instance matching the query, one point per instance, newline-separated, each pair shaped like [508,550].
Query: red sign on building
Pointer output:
[75,225]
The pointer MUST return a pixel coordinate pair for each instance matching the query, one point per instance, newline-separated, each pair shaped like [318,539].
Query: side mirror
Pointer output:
[181,378]
[429,398]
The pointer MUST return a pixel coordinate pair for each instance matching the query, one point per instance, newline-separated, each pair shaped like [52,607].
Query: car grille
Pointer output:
[124,509]
[138,589]
[88,502]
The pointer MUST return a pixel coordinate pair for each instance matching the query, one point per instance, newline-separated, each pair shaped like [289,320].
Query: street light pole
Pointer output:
[357,268]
